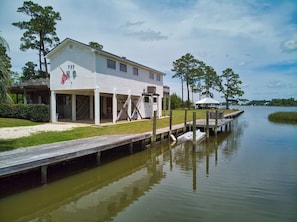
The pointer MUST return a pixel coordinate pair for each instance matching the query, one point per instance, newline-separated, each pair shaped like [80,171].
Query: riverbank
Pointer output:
[76,131]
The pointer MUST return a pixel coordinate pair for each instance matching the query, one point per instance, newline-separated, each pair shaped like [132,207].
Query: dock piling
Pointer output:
[216,123]
[185,120]
[207,125]
[153,140]
[98,158]
[43,174]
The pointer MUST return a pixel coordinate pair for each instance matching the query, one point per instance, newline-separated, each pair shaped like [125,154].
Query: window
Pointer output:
[123,67]
[135,71]
[146,99]
[111,64]
[151,75]
[155,99]
[158,77]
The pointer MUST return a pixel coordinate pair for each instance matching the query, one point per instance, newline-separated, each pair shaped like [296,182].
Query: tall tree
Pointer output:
[229,85]
[40,31]
[29,71]
[4,70]
[185,68]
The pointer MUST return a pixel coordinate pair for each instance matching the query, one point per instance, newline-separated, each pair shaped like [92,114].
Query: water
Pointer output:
[248,174]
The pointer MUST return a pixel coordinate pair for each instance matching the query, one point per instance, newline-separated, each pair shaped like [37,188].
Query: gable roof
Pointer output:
[101,52]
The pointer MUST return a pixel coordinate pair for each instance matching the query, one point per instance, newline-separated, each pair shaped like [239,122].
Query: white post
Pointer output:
[25,96]
[159,111]
[129,110]
[114,107]
[53,107]
[91,107]
[97,106]
[73,107]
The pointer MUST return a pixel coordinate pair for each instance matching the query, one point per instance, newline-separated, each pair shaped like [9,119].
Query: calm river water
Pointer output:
[248,174]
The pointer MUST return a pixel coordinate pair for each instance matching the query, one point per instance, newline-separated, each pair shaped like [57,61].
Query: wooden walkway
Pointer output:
[40,157]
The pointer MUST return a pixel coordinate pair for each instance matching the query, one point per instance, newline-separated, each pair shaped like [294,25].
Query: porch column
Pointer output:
[158,107]
[73,103]
[97,106]
[25,96]
[91,107]
[114,107]
[53,107]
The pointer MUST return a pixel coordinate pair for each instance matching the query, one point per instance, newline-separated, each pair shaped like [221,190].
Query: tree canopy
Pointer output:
[185,68]
[203,79]
[40,31]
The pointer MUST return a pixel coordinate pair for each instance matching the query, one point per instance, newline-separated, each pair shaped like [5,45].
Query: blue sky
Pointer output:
[256,38]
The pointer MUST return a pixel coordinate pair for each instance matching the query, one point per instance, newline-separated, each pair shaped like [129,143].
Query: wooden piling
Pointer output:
[216,123]
[207,125]
[98,158]
[131,148]
[153,140]
[185,120]
[43,174]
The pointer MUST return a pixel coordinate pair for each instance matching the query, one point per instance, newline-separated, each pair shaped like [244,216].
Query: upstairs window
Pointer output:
[158,77]
[123,67]
[111,64]
[135,71]
[152,75]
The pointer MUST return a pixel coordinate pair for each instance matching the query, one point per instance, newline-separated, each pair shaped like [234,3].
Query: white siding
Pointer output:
[73,59]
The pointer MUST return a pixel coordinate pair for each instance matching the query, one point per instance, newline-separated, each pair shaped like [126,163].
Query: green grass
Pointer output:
[89,131]
[11,122]
[283,117]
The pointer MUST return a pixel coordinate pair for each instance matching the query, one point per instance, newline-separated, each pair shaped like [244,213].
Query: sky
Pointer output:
[257,39]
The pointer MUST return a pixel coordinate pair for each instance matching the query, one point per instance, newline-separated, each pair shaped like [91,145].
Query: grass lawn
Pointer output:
[10,122]
[89,131]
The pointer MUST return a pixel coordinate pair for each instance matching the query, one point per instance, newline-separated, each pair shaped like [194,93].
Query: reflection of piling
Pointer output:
[194,129]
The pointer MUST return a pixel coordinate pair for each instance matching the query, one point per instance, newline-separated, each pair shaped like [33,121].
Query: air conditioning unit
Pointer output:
[151,89]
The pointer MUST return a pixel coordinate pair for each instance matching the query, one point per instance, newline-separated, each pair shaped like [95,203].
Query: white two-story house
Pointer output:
[92,84]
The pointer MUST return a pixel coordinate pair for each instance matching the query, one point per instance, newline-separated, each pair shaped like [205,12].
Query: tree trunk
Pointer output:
[188,94]
[182,86]
[44,59]
[227,103]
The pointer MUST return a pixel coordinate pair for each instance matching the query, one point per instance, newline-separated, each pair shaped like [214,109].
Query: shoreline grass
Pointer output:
[283,117]
[133,127]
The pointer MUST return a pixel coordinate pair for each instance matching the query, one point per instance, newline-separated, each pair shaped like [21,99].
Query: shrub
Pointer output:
[33,112]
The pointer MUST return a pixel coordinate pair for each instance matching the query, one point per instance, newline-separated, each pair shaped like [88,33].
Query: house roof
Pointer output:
[207,101]
[101,52]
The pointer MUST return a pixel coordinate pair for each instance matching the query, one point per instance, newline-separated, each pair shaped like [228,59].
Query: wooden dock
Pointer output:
[41,157]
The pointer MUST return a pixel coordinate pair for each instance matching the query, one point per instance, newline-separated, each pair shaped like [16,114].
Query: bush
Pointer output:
[33,112]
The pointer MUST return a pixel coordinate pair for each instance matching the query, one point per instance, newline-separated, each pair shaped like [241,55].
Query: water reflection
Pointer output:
[100,193]
[97,194]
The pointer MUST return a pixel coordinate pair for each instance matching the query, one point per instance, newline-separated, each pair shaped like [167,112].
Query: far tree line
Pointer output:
[203,79]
